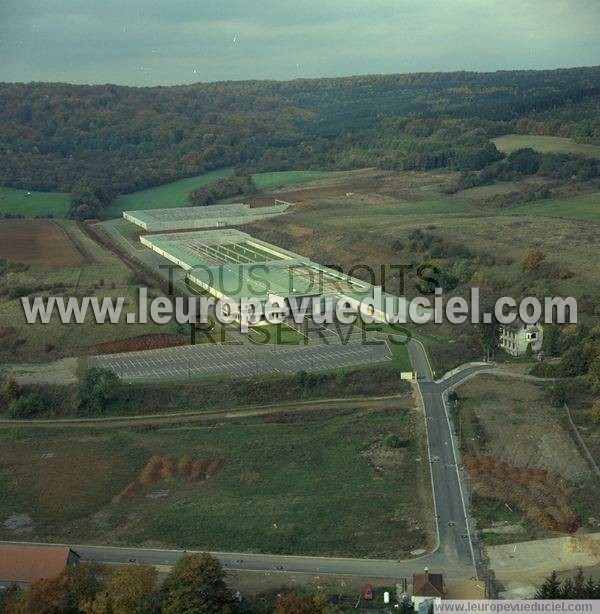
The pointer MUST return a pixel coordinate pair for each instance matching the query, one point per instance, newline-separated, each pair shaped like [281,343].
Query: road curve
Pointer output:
[454,555]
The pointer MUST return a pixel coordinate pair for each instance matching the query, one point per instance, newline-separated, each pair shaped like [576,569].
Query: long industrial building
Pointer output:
[212,216]
[232,265]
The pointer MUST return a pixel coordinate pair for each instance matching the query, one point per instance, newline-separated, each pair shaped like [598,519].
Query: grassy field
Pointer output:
[130,232]
[584,207]
[277,179]
[165,196]
[545,144]
[93,271]
[303,483]
[31,204]
[512,423]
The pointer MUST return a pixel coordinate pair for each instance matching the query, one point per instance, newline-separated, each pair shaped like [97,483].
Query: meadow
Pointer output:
[32,204]
[545,144]
[320,482]
[278,179]
[584,207]
[173,194]
[166,196]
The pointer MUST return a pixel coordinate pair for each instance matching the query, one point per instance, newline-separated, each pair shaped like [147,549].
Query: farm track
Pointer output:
[371,403]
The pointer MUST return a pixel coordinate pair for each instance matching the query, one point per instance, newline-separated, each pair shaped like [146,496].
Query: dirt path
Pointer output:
[377,403]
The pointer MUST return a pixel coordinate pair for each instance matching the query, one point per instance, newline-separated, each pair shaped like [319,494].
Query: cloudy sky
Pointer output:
[148,42]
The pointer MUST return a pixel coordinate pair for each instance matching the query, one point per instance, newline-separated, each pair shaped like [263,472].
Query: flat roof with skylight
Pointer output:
[211,216]
[232,264]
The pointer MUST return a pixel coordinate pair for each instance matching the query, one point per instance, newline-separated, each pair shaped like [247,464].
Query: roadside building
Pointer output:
[23,565]
[465,589]
[427,588]
[517,336]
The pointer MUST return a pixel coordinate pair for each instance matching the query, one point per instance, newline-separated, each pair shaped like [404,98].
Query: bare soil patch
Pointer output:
[141,342]
[39,243]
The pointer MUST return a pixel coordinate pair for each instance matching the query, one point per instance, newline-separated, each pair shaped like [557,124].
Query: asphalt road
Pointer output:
[454,556]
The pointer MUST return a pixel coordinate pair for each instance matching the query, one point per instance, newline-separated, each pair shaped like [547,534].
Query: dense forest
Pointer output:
[100,141]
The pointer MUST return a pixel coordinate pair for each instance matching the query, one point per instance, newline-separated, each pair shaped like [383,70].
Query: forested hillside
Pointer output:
[100,141]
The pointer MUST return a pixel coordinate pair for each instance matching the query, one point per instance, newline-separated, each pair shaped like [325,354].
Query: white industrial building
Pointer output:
[211,216]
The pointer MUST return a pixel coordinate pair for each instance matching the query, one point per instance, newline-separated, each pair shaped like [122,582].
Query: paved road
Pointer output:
[454,556]
[449,487]
[243,561]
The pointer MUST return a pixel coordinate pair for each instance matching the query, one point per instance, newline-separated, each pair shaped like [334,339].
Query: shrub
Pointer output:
[98,387]
[532,261]
[544,369]
[26,406]
[9,392]
[558,395]
[393,441]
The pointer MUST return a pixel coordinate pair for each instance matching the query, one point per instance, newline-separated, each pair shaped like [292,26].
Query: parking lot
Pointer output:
[207,360]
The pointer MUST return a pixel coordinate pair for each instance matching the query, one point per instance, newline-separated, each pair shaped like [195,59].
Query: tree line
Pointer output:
[97,142]
[196,583]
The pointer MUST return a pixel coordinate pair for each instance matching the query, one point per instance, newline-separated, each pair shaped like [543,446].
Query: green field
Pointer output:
[31,204]
[267,181]
[585,207]
[166,196]
[545,144]
[306,482]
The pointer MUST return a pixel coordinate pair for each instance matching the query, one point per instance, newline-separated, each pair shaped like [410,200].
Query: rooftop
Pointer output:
[26,564]
[428,585]
[189,213]
[210,216]
[239,265]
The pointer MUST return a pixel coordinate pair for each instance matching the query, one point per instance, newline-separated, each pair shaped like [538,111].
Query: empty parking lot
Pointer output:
[235,360]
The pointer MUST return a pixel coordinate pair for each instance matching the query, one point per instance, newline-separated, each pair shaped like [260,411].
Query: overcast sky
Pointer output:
[149,42]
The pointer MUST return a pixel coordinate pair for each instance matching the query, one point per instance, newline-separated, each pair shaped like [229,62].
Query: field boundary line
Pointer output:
[581,442]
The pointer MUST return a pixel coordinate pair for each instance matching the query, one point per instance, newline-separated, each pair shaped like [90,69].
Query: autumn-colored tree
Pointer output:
[102,604]
[46,596]
[133,590]
[84,582]
[594,372]
[196,584]
[532,261]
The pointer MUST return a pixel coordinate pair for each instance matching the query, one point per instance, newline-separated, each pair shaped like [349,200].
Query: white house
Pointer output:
[517,336]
